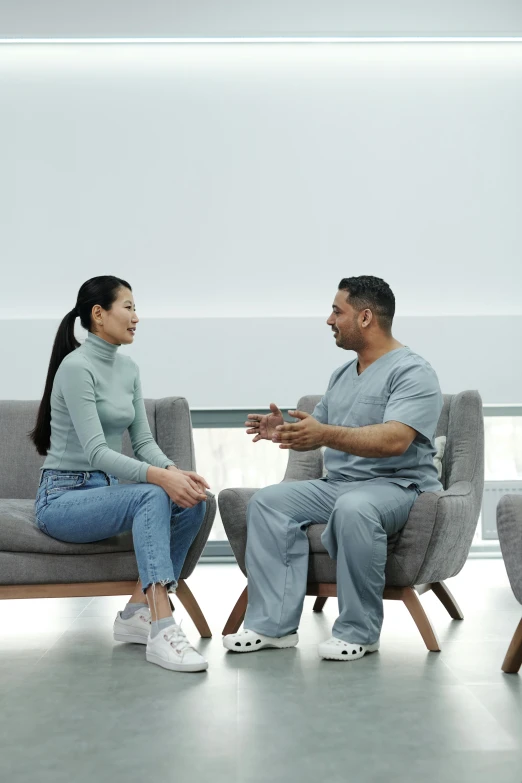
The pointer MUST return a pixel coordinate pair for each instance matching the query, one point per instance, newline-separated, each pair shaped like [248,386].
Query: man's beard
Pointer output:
[351,342]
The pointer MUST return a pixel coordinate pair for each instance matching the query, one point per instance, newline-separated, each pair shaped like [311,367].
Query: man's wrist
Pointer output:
[324,435]
[332,436]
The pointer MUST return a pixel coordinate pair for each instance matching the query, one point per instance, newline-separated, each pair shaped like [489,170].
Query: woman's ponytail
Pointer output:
[64,343]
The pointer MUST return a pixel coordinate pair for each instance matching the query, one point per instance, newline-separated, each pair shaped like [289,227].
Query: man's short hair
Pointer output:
[373,293]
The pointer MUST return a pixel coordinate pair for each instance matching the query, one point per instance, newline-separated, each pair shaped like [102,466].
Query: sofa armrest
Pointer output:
[435,541]
[174,431]
[201,539]
[459,489]
[232,507]
[509,524]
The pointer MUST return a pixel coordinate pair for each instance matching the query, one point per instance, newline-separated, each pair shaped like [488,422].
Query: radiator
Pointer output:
[493,491]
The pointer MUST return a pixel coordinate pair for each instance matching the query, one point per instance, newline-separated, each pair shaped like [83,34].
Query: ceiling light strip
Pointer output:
[271,40]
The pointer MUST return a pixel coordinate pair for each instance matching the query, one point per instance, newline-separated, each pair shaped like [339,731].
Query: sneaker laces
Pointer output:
[175,636]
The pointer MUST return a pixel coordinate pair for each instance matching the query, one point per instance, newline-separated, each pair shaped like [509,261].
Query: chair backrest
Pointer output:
[435,542]
[304,465]
[20,464]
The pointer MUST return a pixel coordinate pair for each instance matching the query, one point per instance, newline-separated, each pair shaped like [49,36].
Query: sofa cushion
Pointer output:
[440,447]
[19,533]
[28,568]
[321,568]
[314,533]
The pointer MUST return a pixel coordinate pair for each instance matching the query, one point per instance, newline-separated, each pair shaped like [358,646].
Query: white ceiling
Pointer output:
[215,18]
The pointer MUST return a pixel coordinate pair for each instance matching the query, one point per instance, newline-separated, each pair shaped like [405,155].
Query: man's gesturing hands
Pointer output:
[306,434]
[263,427]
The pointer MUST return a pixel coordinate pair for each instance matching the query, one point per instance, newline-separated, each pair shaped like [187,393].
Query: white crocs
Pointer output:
[337,650]
[250,641]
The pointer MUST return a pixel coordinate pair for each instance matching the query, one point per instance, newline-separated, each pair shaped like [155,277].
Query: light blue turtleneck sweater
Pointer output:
[96,396]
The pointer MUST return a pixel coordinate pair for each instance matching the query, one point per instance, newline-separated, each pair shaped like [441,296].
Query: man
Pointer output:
[377,421]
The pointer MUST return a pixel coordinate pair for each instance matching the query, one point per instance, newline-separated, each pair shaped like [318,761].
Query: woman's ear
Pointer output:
[97,315]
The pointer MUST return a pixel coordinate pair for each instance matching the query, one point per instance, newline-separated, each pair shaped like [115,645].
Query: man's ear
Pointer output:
[367,317]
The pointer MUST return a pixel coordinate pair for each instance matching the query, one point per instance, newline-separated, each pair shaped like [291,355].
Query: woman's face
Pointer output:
[117,325]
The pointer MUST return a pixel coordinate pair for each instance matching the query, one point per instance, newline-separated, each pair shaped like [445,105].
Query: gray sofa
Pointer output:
[509,524]
[432,546]
[33,565]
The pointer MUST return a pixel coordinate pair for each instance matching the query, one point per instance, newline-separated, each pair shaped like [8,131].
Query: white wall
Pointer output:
[242,182]
[249,362]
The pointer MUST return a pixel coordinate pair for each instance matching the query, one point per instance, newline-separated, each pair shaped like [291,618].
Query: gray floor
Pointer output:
[78,707]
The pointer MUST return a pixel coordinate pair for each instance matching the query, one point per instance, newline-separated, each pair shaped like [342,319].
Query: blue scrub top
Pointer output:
[399,386]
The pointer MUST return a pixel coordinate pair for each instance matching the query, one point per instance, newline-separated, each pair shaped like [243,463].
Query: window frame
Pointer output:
[227,418]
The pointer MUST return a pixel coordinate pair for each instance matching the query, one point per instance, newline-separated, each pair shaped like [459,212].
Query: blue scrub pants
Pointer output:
[360,515]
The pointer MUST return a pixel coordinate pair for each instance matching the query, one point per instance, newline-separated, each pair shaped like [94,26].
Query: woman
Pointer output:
[91,396]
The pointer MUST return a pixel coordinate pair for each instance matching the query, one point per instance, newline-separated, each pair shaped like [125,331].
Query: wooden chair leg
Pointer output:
[185,595]
[319,604]
[237,614]
[447,600]
[415,608]
[513,659]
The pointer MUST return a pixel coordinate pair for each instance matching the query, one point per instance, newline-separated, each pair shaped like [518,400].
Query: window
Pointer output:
[226,457]
[502,469]
[503,448]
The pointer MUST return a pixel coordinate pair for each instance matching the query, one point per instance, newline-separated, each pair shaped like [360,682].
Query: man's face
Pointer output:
[345,323]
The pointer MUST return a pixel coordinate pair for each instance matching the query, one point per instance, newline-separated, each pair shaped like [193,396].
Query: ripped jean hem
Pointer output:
[170,584]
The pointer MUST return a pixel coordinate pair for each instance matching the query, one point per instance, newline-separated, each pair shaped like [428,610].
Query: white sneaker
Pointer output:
[250,641]
[172,650]
[135,629]
[337,650]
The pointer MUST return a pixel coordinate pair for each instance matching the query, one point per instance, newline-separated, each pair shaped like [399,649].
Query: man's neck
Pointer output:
[370,353]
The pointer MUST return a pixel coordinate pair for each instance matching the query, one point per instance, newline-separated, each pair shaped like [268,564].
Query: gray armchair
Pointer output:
[509,524]
[33,565]
[432,546]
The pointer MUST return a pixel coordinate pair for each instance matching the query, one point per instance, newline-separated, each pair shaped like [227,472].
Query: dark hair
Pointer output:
[102,291]
[372,293]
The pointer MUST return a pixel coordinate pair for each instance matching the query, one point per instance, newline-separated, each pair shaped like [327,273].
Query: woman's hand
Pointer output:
[198,481]
[184,487]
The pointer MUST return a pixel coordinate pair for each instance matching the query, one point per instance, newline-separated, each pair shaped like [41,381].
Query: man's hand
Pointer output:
[305,435]
[264,427]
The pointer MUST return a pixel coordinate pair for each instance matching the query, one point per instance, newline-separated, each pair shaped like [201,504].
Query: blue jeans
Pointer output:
[80,507]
